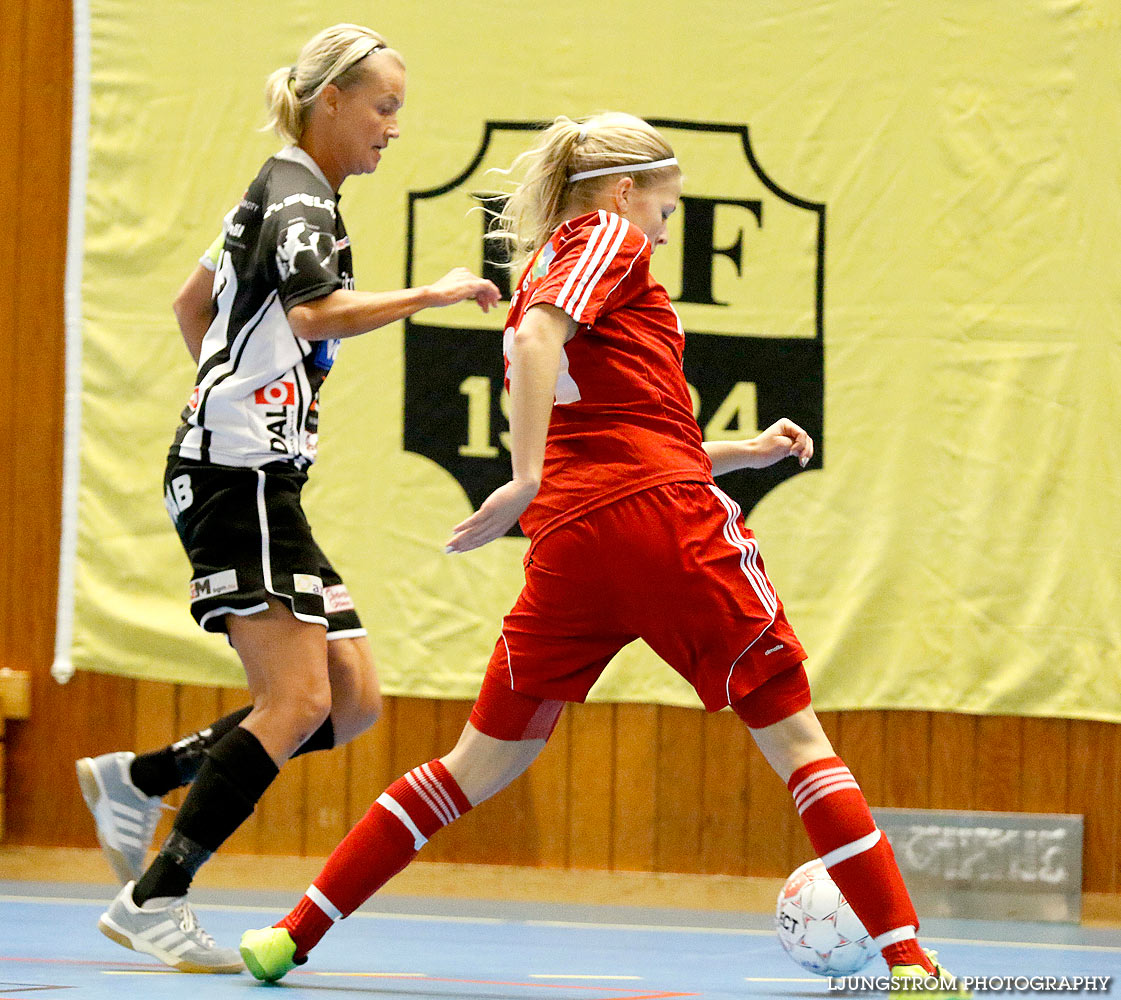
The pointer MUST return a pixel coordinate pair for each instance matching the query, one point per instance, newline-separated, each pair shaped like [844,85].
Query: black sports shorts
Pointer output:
[248,540]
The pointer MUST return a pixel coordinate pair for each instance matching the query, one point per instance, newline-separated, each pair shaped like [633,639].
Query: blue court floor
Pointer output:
[428,949]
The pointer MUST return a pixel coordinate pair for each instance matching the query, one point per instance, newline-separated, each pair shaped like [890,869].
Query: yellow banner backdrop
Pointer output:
[899,227]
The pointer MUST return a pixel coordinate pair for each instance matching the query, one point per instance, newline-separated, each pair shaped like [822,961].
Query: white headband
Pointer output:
[625,168]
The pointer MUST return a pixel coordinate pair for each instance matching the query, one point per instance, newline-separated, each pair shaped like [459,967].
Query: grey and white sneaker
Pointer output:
[126,818]
[169,930]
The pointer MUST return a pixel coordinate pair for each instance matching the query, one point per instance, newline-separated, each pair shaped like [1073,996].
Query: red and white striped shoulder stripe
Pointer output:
[602,246]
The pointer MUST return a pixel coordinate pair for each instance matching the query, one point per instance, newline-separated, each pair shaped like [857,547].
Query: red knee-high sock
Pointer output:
[383,842]
[858,857]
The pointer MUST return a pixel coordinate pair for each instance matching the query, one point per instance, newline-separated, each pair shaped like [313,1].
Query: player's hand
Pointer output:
[459,284]
[782,439]
[498,514]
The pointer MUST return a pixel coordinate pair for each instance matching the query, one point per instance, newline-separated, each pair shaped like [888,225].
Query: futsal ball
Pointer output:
[817,927]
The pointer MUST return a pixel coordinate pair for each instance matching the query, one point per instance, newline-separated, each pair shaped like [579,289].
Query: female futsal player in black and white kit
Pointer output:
[282,300]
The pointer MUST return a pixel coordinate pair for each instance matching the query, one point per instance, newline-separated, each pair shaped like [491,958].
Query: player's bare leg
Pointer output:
[285,663]
[355,692]
[844,834]
[386,839]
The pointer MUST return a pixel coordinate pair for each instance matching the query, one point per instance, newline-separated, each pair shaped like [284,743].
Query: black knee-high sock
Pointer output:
[232,779]
[158,772]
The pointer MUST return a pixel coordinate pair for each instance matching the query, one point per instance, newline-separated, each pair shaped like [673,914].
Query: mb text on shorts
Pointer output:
[979,984]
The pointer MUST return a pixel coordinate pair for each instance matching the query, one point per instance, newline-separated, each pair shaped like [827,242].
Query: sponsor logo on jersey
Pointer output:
[300,239]
[541,265]
[193,399]
[224,582]
[307,200]
[276,394]
[305,583]
[280,424]
[337,598]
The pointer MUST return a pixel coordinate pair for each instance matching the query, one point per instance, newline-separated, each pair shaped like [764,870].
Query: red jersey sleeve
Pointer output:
[600,261]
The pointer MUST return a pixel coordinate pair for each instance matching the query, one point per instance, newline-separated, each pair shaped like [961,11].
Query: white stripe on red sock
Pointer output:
[329,909]
[436,786]
[852,849]
[905,933]
[417,782]
[808,784]
[386,801]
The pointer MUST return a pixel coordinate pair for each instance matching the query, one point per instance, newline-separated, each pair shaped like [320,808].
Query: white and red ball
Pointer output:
[817,927]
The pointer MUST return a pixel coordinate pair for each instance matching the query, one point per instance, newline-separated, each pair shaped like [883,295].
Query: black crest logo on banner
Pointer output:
[745,267]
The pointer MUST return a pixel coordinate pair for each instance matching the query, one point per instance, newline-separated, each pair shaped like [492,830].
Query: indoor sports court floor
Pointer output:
[420,949]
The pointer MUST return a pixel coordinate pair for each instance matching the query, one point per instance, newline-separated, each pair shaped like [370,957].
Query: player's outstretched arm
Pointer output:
[347,313]
[783,439]
[534,366]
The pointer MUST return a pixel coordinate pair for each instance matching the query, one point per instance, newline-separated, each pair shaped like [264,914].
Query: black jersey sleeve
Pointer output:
[299,235]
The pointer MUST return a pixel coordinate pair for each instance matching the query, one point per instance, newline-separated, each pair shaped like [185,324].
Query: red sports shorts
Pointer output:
[673,565]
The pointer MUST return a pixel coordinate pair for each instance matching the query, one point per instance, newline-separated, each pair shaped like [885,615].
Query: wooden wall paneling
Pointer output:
[907,760]
[505,835]
[634,830]
[154,721]
[831,723]
[40,263]
[12,125]
[772,822]
[1043,770]
[1112,793]
[495,832]
[34,164]
[370,763]
[35,452]
[282,811]
[1091,773]
[862,750]
[953,759]
[591,785]
[997,766]
[680,795]
[416,735]
[326,809]
[546,785]
[724,798]
[510,828]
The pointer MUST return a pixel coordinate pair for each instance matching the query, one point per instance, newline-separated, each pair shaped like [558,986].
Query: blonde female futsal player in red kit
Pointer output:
[629,538]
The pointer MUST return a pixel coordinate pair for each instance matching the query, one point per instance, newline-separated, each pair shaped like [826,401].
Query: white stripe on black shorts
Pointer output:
[248,540]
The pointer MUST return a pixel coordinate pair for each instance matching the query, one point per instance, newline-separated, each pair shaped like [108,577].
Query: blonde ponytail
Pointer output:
[544,196]
[336,55]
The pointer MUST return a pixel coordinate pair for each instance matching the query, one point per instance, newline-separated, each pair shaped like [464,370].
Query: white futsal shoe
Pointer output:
[168,930]
[125,817]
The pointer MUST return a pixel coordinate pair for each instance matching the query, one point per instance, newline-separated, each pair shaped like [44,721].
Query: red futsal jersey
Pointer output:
[623,419]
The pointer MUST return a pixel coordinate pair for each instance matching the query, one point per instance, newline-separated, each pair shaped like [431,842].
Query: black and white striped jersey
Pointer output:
[256,394]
